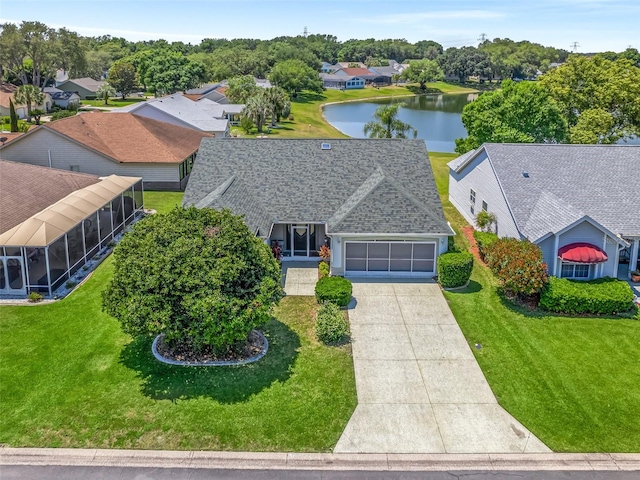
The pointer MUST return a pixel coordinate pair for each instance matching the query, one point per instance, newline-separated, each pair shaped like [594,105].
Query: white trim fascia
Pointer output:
[599,226]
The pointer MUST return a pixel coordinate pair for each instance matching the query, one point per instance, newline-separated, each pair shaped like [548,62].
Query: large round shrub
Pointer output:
[454,269]
[331,326]
[335,290]
[197,275]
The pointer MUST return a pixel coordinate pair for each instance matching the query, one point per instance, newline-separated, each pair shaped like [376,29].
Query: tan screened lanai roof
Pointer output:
[48,225]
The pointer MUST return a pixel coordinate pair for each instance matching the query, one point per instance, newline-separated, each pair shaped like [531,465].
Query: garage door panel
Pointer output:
[390,257]
[356,264]
[356,250]
[379,250]
[401,251]
[423,265]
[378,265]
[400,265]
[424,251]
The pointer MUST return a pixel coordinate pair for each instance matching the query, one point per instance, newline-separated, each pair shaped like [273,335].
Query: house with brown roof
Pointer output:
[103,144]
[52,222]
[7,92]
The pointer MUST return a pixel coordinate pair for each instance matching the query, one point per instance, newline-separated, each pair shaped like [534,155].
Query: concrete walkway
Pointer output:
[420,389]
[299,278]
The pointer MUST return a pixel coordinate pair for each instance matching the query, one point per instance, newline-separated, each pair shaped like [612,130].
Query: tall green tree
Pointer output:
[168,72]
[13,117]
[279,104]
[387,124]
[123,78]
[599,98]
[28,95]
[294,75]
[257,109]
[423,71]
[105,92]
[521,112]
[241,88]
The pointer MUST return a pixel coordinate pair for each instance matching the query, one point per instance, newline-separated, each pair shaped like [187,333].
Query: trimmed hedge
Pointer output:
[604,296]
[454,269]
[335,290]
[484,241]
[518,265]
[331,326]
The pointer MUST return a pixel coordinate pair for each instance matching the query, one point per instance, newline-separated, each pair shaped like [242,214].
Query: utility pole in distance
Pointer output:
[575,46]
[482,37]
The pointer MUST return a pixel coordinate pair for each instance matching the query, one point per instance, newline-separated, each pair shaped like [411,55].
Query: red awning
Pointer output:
[582,253]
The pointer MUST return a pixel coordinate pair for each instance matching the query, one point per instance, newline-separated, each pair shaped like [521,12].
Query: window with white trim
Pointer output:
[472,196]
[575,270]
[485,207]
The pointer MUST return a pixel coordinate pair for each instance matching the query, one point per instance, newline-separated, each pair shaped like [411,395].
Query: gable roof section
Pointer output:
[7,91]
[364,185]
[84,82]
[566,180]
[127,138]
[187,111]
[27,189]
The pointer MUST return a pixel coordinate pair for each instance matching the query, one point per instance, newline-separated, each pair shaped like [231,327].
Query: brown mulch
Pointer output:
[468,232]
[242,351]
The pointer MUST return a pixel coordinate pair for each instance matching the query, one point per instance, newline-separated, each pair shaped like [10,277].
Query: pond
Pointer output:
[437,118]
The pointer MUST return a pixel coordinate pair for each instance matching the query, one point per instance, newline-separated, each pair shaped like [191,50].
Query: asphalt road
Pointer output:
[23,472]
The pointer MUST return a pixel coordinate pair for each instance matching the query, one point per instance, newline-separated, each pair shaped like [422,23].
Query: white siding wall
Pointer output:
[479,176]
[154,113]
[547,246]
[65,153]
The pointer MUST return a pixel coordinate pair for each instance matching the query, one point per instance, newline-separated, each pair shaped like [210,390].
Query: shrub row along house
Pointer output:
[578,203]
[375,201]
[52,222]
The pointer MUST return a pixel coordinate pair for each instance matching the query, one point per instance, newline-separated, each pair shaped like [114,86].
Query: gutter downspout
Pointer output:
[49,155]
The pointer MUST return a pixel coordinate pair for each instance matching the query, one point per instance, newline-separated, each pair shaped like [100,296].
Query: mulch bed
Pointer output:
[239,352]
[468,232]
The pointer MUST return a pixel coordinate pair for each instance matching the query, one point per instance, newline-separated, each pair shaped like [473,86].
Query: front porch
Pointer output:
[629,258]
[298,241]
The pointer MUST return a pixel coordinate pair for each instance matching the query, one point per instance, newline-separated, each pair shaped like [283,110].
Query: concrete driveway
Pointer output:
[420,389]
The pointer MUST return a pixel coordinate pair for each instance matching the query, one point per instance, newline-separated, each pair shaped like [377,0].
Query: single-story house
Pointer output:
[374,201]
[85,87]
[578,203]
[52,222]
[341,82]
[7,93]
[370,76]
[103,144]
[62,99]
[181,111]
[228,111]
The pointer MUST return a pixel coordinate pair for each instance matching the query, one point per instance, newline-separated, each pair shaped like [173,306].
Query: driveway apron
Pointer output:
[420,389]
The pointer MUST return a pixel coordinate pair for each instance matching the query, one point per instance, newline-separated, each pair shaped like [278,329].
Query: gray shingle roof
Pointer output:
[600,181]
[358,186]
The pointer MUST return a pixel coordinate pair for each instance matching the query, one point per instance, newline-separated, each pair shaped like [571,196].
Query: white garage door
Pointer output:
[390,258]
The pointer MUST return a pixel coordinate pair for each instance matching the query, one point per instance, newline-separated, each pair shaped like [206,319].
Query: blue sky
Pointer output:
[597,25]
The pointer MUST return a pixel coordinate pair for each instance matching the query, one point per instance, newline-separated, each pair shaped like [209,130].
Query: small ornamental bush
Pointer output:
[62,114]
[604,296]
[35,297]
[335,290]
[518,265]
[331,326]
[454,269]
[484,241]
[323,269]
[199,276]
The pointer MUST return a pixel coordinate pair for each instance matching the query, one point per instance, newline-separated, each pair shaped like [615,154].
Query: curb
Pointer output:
[319,461]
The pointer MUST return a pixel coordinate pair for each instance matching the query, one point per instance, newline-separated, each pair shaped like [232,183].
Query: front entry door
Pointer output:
[300,241]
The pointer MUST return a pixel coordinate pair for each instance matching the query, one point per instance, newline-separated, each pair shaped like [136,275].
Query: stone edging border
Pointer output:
[453,289]
[221,363]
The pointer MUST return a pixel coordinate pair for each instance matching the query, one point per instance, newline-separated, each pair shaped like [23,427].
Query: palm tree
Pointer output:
[387,124]
[257,109]
[28,95]
[105,92]
[279,102]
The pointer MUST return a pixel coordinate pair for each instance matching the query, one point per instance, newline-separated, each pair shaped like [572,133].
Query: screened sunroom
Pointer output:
[45,250]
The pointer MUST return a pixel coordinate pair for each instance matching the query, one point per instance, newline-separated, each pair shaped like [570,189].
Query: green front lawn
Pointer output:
[162,202]
[70,378]
[574,382]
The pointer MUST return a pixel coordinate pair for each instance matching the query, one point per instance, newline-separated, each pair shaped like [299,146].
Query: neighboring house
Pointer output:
[52,222]
[61,77]
[329,67]
[368,75]
[103,143]
[7,92]
[351,65]
[229,111]
[375,200]
[341,82]
[181,111]
[578,203]
[84,87]
[62,99]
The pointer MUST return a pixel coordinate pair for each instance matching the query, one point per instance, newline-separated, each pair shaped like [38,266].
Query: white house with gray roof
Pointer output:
[578,203]
[178,110]
[373,200]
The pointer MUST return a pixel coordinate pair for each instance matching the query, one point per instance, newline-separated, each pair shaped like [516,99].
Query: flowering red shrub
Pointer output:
[518,265]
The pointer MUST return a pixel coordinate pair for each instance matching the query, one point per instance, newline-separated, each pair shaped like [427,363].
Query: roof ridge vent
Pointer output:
[325,146]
